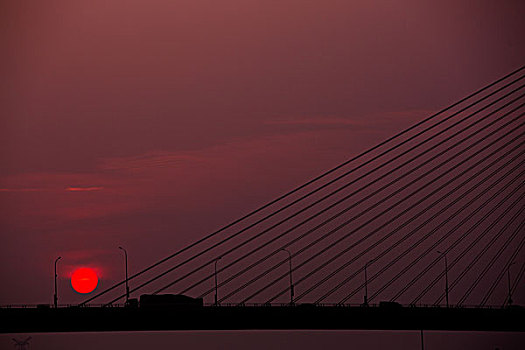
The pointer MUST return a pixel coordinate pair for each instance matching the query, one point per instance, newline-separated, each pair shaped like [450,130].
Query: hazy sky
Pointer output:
[148,124]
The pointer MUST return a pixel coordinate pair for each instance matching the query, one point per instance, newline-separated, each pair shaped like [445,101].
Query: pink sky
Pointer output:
[126,123]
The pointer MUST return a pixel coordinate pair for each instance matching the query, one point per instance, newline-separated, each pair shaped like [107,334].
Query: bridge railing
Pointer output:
[64,306]
[50,306]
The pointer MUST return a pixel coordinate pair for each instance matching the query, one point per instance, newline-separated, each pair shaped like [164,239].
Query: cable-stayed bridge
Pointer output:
[424,230]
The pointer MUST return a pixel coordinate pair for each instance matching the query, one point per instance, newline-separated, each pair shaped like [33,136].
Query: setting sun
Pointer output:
[84,280]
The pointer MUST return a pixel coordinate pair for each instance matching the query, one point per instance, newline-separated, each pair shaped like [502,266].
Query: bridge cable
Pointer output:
[391,220]
[160,275]
[305,185]
[333,258]
[466,250]
[502,272]
[409,221]
[483,273]
[324,210]
[463,254]
[478,256]
[360,214]
[373,232]
[506,243]
[432,232]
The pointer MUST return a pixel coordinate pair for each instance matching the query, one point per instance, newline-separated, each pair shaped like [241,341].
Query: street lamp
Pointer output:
[446,274]
[126,260]
[55,298]
[291,281]
[509,300]
[366,284]
[215,263]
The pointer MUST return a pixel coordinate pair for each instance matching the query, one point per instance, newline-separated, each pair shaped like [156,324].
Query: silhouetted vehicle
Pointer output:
[169,301]
[43,306]
[390,305]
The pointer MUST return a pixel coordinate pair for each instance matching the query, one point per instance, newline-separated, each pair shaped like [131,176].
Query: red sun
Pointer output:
[84,280]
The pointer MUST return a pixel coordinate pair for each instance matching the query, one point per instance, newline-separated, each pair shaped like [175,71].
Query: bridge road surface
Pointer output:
[102,319]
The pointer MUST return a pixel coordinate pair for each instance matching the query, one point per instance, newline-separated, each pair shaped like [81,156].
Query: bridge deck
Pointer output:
[92,319]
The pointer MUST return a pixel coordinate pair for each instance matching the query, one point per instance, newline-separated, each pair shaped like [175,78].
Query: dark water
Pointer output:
[326,340]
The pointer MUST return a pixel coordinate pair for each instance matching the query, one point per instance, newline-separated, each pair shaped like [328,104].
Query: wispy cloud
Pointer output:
[70,189]
[84,189]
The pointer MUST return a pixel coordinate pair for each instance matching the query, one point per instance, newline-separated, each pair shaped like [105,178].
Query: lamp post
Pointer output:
[291,281]
[509,300]
[55,297]
[446,275]
[366,284]
[216,287]
[126,261]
